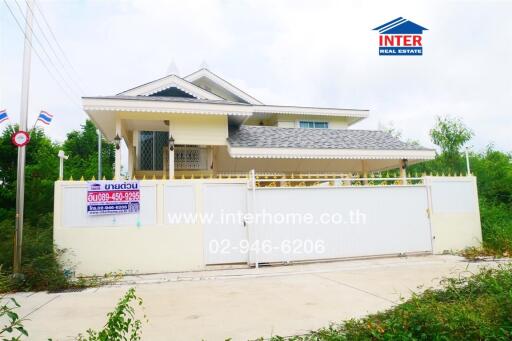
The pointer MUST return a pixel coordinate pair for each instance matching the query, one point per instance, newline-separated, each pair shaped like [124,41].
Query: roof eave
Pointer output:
[311,153]
[280,109]
[141,105]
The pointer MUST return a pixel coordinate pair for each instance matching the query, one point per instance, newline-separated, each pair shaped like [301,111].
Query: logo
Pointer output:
[95,187]
[400,37]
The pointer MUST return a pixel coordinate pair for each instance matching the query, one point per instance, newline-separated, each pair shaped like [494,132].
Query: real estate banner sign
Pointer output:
[113,197]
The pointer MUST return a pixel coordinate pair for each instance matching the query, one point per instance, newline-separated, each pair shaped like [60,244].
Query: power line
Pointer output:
[55,39]
[77,83]
[44,51]
[41,59]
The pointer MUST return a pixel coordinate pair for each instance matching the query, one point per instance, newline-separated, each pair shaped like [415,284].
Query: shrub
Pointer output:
[11,322]
[121,324]
[41,268]
[496,227]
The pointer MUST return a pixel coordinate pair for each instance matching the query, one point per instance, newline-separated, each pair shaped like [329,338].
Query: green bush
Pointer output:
[121,324]
[467,308]
[40,260]
[11,322]
[496,227]
[41,268]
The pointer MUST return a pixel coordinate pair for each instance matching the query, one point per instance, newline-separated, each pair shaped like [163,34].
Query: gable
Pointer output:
[210,82]
[173,92]
[171,85]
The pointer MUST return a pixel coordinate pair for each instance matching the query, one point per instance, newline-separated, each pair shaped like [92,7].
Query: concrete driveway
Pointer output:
[244,303]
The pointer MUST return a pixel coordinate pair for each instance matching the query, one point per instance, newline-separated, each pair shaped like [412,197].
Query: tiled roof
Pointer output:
[277,137]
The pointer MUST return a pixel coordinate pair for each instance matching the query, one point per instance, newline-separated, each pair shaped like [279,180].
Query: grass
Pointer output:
[42,268]
[478,307]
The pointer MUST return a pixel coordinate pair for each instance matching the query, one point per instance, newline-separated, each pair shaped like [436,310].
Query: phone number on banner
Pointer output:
[130,207]
[113,196]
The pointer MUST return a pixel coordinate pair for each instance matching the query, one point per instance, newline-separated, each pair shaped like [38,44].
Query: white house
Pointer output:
[217,128]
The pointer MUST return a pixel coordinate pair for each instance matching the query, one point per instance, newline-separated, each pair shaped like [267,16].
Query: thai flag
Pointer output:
[45,117]
[3,116]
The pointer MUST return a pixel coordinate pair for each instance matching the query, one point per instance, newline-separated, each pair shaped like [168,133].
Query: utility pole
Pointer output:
[99,153]
[20,183]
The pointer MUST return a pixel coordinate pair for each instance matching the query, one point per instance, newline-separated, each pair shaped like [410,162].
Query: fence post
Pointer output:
[251,227]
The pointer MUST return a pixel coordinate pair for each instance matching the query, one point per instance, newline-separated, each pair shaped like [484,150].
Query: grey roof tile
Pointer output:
[277,137]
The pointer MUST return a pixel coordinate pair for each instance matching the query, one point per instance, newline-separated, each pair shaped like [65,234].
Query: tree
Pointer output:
[82,148]
[450,134]
[41,170]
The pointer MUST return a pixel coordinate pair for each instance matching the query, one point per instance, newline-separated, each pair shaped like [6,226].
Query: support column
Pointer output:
[117,166]
[364,167]
[210,159]
[171,154]
[131,156]
[403,171]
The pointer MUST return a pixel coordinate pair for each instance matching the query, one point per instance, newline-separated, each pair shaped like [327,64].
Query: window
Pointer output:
[153,145]
[313,124]
[188,157]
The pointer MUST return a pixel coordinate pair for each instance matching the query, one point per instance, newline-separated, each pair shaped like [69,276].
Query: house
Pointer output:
[292,199]
[203,125]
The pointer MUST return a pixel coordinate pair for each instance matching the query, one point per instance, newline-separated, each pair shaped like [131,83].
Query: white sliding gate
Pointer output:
[307,223]
[281,224]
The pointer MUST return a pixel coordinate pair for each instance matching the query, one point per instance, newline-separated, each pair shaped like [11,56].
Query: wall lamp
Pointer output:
[405,163]
[117,141]
[171,143]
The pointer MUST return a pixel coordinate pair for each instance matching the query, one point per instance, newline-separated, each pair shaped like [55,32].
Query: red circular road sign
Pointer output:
[20,138]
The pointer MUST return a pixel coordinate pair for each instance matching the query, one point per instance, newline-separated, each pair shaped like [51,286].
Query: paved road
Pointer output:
[243,303]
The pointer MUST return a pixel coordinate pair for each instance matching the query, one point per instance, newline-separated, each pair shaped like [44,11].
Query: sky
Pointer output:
[311,53]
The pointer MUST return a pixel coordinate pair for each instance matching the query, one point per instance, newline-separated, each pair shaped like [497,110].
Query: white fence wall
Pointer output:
[396,220]
[140,243]
[455,214]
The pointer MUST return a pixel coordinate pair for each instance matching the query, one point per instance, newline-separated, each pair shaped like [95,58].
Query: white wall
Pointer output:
[396,221]
[138,243]
[455,214]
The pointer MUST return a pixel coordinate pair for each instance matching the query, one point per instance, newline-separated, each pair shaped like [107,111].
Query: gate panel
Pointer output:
[224,230]
[346,221]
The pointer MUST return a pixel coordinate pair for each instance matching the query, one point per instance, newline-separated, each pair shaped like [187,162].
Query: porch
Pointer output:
[180,153]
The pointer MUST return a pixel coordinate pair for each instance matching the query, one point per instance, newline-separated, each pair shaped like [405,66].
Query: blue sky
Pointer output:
[319,53]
